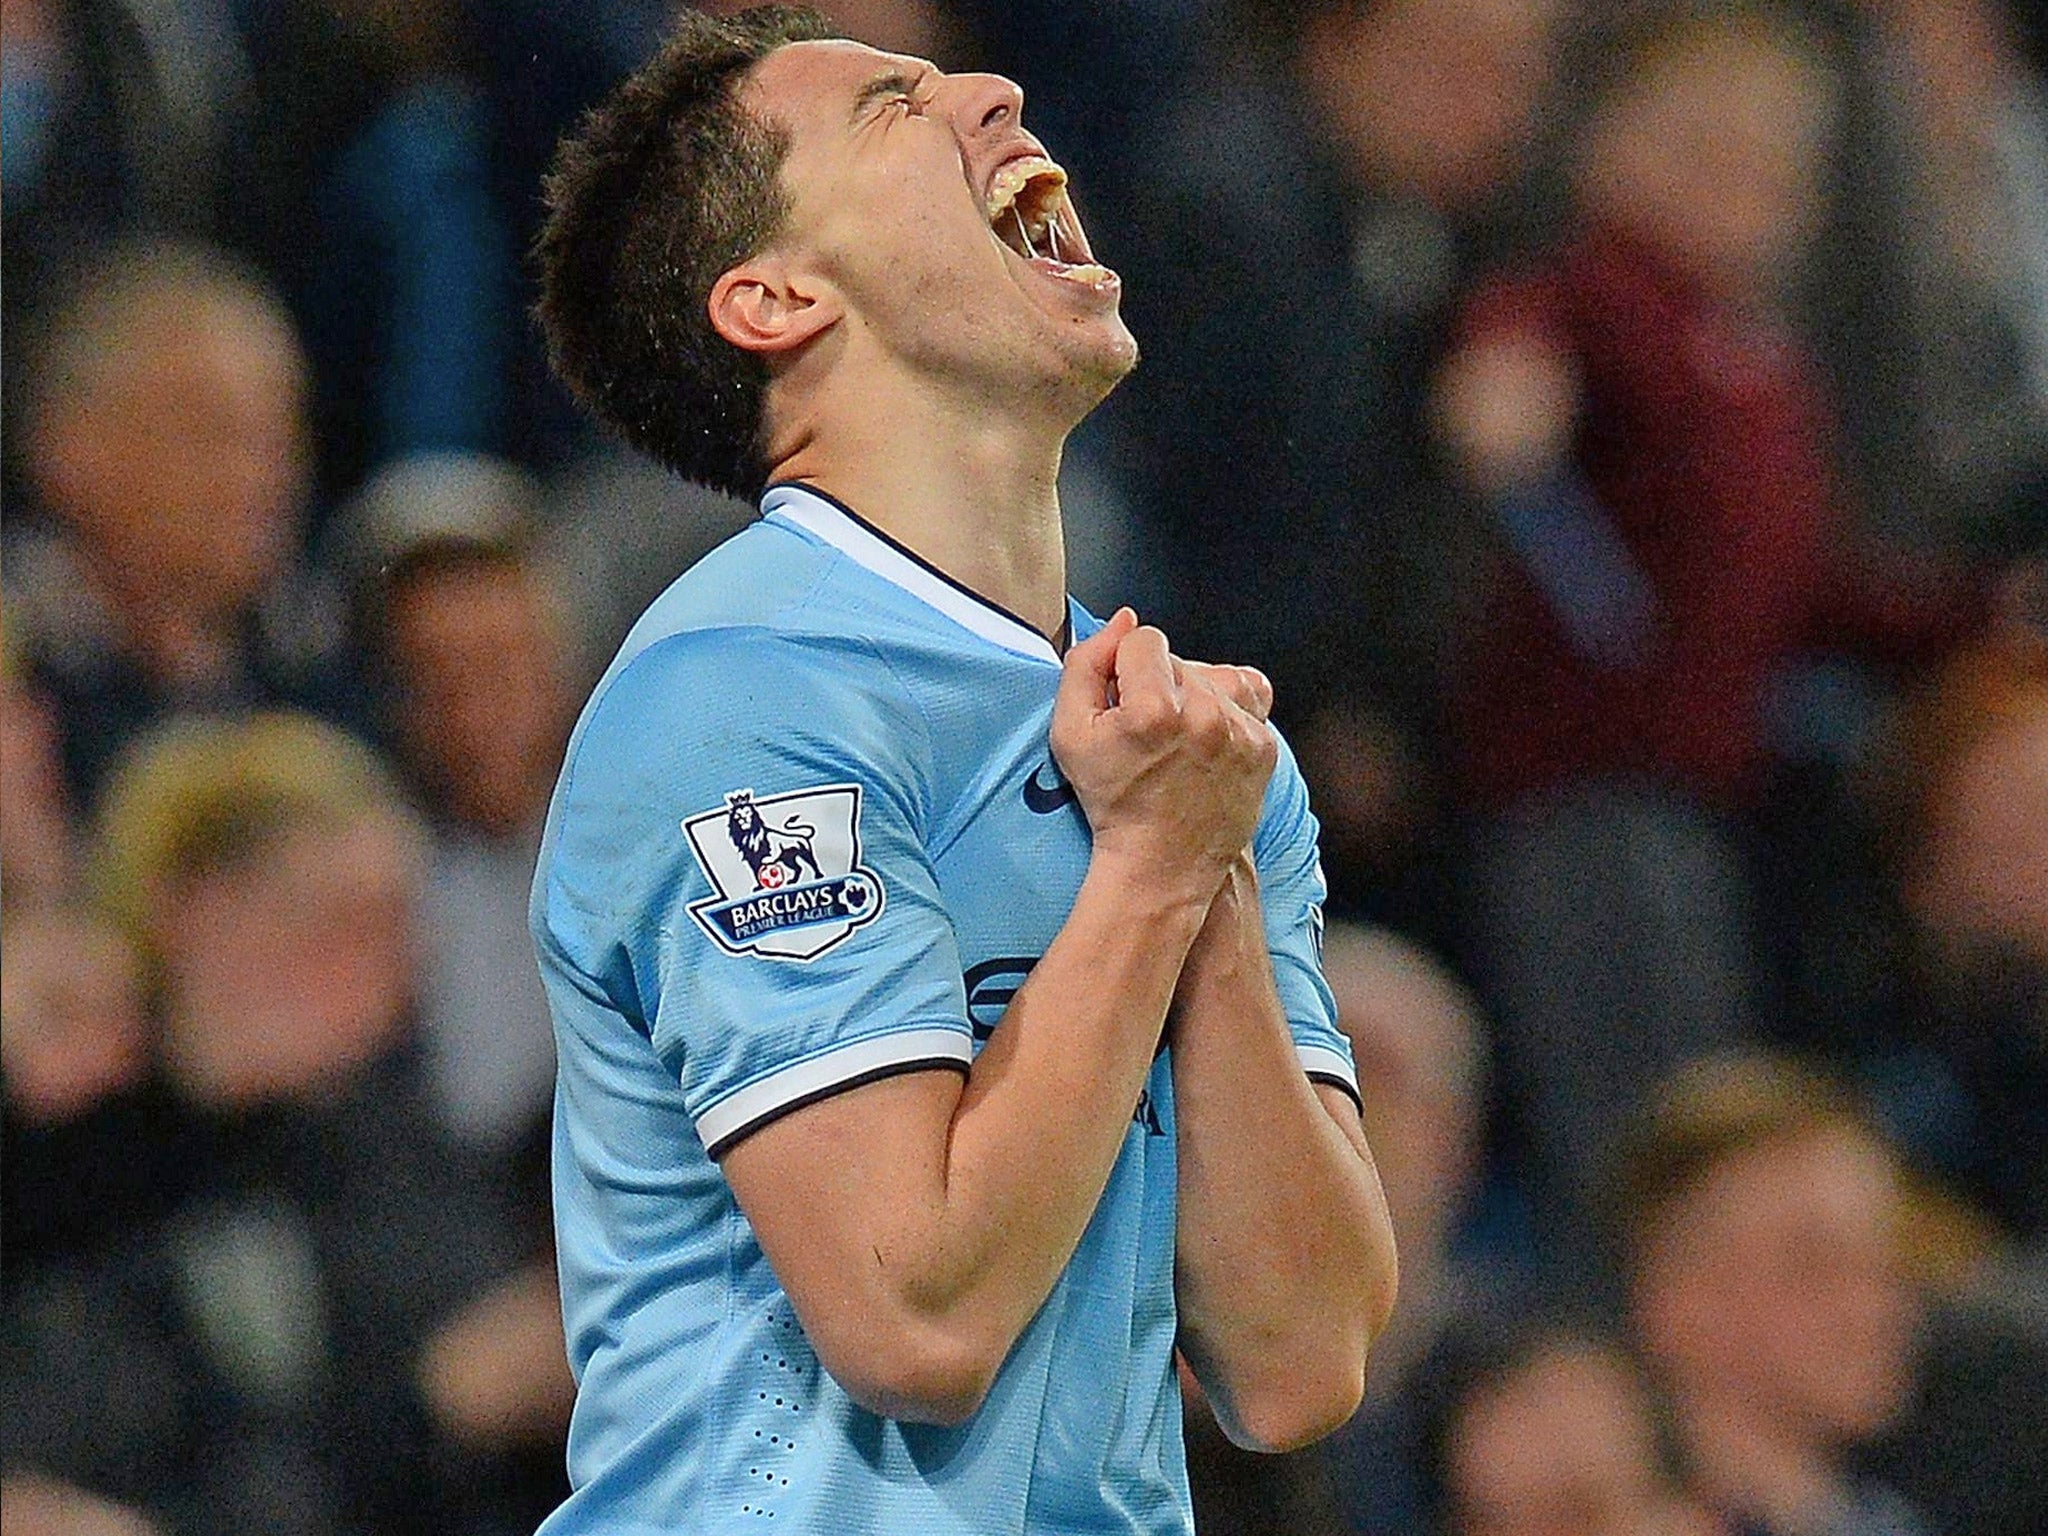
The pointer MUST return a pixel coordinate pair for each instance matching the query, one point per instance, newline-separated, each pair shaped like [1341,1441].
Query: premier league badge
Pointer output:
[787,872]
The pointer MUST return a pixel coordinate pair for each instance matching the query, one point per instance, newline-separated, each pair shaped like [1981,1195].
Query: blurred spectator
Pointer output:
[1542,1428]
[461,620]
[167,444]
[1420,1045]
[74,1010]
[74,1043]
[1649,433]
[1312,203]
[1769,1239]
[253,1359]
[477,652]
[1761,1218]
[1978,745]
[1419,1040]
[119,120]
[78,1115]
[467,631]
[1653,444]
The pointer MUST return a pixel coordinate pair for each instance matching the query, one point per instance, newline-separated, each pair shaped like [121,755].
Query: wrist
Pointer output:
[1156,883]
[1233,933]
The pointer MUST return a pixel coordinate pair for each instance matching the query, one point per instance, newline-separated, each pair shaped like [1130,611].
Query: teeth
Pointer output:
[1018,174]
[1042,187]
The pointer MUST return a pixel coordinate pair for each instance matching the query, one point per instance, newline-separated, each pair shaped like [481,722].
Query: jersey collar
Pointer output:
[811,510]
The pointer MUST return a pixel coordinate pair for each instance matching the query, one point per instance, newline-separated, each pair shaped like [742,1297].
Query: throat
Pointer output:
[1033,572]
[977,504]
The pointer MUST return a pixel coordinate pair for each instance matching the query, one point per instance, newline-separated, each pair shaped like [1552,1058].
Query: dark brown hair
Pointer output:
[664,186]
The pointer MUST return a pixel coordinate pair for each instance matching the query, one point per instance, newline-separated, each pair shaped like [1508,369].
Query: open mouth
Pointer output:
[1028,211]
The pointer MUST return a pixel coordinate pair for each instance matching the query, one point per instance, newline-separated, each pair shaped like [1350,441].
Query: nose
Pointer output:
[987,103]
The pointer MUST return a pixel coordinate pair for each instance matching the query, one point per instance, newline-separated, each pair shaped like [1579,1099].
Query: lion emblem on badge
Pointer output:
[776,855]
[787,881]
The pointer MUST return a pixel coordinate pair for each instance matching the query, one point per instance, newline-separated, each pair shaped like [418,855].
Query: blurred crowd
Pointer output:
[1621,430]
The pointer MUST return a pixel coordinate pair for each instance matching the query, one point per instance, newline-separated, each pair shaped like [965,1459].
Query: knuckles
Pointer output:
[1261,688]
[1246,687]
[1144,649]
[1211,724]
[1195,732]
[1265,753]
[1150,717]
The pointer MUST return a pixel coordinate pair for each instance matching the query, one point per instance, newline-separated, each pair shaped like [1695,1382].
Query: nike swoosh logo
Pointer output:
[1047,798]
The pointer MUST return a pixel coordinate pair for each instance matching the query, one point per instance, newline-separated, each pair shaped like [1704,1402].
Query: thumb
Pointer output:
[1088,674]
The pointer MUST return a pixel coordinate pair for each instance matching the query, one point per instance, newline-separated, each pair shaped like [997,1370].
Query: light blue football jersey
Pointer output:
[809,833]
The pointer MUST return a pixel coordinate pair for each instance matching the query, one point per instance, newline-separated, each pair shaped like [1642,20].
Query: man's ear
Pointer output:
[765,306]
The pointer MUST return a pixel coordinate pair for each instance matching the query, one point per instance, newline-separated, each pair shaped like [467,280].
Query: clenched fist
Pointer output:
[1169,759]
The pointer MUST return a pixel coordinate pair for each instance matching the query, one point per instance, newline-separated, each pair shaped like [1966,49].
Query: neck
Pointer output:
[972,490]
[1759,1465]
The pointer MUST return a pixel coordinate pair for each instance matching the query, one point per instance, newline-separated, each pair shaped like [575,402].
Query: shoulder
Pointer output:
[695,715]
[692,724]
[697,699]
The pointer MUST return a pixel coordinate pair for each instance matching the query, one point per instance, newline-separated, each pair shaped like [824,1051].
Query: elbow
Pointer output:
[1304,1380]
[1308,1404]
[1309,1386]
[920,1372]
[1324,1379]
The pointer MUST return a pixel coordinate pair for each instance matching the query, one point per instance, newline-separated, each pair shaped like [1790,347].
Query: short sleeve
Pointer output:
[745,811]
[1292,891]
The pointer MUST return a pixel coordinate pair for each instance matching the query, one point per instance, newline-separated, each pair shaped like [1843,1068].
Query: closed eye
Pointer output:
[895,89]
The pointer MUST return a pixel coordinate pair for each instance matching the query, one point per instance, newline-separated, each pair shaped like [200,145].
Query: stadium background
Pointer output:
[1623,438]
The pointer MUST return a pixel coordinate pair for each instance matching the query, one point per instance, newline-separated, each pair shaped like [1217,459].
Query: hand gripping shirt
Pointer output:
[809,833]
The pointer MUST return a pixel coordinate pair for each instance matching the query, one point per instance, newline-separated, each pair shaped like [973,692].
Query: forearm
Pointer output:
[1042,1120]
[1285,1266]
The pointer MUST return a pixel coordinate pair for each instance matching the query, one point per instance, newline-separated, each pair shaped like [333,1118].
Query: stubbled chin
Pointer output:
[1110,353]
[1080,319]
